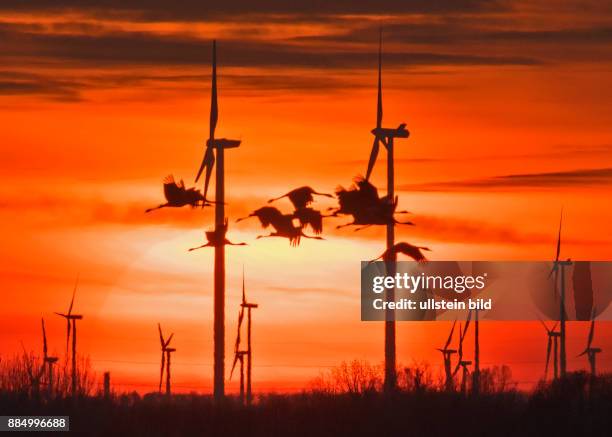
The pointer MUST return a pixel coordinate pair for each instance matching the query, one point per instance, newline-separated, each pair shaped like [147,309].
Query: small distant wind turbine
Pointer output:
[165,359]
[71,323]
[591,352]
[461,363]
[238,354]
[48,362]
[446,355]
[552,345]
[559,267]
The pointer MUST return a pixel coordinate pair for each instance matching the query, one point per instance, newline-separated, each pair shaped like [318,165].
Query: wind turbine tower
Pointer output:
[217,146]
[71,320]
[386,136]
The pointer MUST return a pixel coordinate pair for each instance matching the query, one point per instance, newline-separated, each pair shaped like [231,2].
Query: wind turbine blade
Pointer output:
[467,325]
[161,372]
[559,238]
[373,156]
[544,325]
[240,318]
[548,349]
[73,294]
[44,338]
[243,287]
[168,341]
[209,168]
[67,336]
[450,337]
[214,108]
[233,365]
[205,160]
[591,334]
[161,336]
[379,106]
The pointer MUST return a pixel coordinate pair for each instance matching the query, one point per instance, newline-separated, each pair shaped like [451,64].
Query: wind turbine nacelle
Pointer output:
[224,143]
[384,132]
[75,317]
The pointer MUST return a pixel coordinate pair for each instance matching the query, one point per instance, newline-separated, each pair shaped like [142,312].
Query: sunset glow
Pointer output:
[508,111]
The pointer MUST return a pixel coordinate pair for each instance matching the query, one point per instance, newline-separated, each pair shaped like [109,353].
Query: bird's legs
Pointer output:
[200,247]
[403,223]
[363,227]
[345,225]
[229,243]
[314,237]
[157,207]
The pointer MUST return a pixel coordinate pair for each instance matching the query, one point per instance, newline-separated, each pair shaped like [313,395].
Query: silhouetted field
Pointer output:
[578,406]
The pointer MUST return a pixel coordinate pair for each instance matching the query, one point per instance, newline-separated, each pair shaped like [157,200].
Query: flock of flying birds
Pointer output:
[361,201]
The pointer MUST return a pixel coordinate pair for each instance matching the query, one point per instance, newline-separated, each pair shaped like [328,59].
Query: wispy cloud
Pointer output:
[571,178]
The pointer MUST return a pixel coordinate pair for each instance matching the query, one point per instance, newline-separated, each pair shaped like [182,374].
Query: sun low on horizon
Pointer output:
[507,106]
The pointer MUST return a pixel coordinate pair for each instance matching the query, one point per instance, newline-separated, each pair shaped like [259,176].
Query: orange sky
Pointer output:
[98,105]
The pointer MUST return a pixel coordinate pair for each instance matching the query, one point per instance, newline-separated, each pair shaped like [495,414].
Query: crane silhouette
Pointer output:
[178,196]
[71,324]
[363,203]
[282,224]
[217,238]
[301,197]
[408,249]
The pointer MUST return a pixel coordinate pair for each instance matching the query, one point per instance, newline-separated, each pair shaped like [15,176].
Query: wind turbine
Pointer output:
[461,363]
[559,267]
[71,323]
[239,355]
[217,147]
[476,374]
[386,136]
[552,344]
[591,352]
[165,359]
[446,355]
[48,362]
